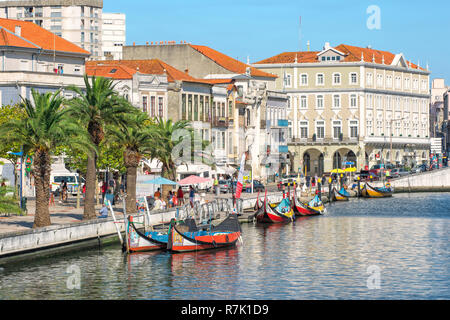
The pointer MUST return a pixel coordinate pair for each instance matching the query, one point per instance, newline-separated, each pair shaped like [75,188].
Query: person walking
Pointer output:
[180,196]
[191,195]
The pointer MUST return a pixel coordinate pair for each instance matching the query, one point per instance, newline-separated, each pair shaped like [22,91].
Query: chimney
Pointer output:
[307,45]
[18,31]
[186,71]
[327,46]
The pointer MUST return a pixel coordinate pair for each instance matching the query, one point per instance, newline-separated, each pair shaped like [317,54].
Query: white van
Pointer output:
[72,180]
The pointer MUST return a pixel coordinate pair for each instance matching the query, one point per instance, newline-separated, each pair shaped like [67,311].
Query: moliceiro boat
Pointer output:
[275,213]
[139,241]
[183,237]
[341,195]
[369,191]
[313,208]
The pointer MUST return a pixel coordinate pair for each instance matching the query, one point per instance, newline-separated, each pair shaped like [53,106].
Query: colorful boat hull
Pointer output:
[144,241]
[302,209]
[338,196]
[271,213]
[372,192]
[218,237]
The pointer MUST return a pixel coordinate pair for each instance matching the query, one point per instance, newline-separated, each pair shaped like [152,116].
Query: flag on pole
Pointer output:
[240,182]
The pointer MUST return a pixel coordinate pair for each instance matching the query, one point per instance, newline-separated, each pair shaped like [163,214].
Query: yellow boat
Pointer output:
[373,192]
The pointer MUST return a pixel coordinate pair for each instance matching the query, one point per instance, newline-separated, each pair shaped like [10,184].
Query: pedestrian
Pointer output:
[180,196]
[104,188]
[313,181]
[52,197]
[103,212]
[157,193]
[191,195]
[170,199]
[216,185]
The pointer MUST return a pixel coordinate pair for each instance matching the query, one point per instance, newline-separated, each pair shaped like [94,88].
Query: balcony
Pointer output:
[220,122]
[323,141]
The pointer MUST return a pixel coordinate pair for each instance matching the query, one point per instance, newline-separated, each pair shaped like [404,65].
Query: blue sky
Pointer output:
[260,28]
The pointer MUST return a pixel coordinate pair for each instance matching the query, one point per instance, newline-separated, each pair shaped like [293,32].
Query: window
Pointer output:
[406,105]
[287,80]
[353,101]
[389,81]
[161,106]
[369,126]
[369,79]
[398,83]
[320,129]
[153,106]
[369,101]
[337,129]
[195,108]
[415,84]
[388,103]
[202,108]
[303,129]
[406,83]
[183,106]
[319,102]
[379,80]
[207,109]
[379,127]
[353,125]
[424,85]
[336,78]
[190,107]
[336,101]
[379,102]
[353,78]
[398,106]
[320,79]
[304,80]
[303,102]
[144,103]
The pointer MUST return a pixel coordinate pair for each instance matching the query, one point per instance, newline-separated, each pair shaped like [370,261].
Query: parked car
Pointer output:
[247,187]
[224,186]
[399,172]
[376,169]
[420,168]
[366,175]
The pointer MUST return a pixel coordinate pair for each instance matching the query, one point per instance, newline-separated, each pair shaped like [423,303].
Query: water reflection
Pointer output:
[324,257]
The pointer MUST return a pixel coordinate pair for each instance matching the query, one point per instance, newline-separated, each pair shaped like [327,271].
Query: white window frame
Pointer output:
[321,126]
[334,101]
[339,77]
[350,80]
[350,126]
[303,102]
[317,79]
[351,97]
[369,77]
[288,80]
[323,101]
[301,79]
[303,124]
[336,124]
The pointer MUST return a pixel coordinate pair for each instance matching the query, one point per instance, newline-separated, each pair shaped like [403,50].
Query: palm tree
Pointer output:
[175,145]
[98,106]
[138,140]
[45,126]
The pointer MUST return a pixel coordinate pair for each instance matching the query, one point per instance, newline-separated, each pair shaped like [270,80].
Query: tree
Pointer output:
[97,106]
[45,126]
[138,140]
[176,144]
[7,113]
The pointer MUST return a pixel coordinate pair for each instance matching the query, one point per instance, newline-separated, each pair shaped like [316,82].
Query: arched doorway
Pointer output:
[337,160]
[306,163]
[321,165]
[351,157]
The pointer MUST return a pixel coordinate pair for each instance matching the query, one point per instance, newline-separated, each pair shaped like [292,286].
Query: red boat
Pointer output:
[272,213]
[303,209]
[184,238]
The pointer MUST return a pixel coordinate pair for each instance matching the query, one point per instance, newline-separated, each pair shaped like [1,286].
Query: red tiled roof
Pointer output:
[151,66]
[229,63]
[353,54]
[33,36]
[114,71]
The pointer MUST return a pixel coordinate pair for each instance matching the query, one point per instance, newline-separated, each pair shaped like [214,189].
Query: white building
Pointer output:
[113,35]
[32,57]
[78,21]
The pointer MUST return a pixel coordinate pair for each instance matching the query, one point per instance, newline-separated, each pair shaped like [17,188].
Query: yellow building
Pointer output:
[352,104]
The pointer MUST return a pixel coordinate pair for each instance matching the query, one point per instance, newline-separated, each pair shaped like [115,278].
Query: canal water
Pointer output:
[395,248]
